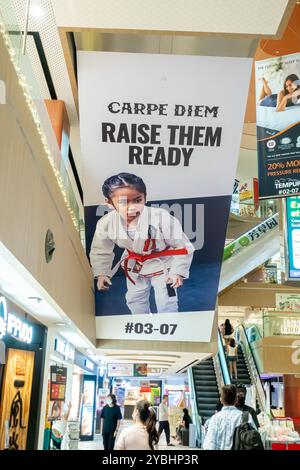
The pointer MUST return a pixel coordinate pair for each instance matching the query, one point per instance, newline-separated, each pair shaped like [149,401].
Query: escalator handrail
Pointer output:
[256,329]
[234,242]
[197,419]
[222,360]
[258,382]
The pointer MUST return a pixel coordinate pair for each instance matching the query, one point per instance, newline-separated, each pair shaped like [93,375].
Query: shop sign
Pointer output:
[293,236]
[65,349]
[290,327]
[88,364]
[12,325]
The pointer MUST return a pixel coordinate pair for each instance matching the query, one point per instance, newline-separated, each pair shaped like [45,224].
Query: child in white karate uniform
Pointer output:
[157,252]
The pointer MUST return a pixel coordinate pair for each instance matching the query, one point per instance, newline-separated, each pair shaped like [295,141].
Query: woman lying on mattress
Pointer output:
[289,96]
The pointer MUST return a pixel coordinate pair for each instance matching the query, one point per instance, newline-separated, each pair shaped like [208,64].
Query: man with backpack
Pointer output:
[222,426]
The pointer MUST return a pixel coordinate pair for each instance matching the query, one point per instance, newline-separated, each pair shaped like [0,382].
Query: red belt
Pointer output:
[142,258]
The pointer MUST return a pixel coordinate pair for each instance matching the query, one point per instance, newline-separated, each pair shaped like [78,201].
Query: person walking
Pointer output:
[163,414]
[232,357]
[221,425]
[142,435]
[228,331]
[111,417]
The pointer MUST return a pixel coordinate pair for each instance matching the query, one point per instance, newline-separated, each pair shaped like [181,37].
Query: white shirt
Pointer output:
[133,438]
[221,428]
[163,414]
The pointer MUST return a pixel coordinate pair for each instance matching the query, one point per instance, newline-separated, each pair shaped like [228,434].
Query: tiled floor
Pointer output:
[96,444]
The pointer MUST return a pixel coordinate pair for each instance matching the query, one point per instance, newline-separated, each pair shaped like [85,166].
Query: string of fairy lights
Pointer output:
[34,112]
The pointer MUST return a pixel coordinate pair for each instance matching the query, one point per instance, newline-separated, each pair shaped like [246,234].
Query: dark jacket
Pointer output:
[251,411]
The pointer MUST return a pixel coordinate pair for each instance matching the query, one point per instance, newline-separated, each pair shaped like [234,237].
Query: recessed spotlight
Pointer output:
[60,323]
[277,52]
[36,11]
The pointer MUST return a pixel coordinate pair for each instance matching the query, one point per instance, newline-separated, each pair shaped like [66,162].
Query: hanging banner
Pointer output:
[160,141]
[292,238]
[278,125]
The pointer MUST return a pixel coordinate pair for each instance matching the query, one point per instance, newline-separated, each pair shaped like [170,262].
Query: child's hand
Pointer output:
[175,280]
[102,282]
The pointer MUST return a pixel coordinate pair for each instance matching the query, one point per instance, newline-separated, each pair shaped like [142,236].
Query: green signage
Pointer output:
[293,236]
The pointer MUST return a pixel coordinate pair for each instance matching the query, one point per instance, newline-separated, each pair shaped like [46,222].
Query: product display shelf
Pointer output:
[72,435]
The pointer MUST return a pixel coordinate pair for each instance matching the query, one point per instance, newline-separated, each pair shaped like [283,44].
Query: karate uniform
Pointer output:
[156,231]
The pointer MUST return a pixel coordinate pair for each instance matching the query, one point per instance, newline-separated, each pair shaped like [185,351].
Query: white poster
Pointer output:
[160,140]
[120,370]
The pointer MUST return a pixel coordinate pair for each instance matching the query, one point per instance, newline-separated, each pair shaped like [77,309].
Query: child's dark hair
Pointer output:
[148,418]
[232,343]
[122,180]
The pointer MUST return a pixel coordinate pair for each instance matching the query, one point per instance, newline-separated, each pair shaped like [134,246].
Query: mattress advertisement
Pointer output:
[278,125]
[160,141]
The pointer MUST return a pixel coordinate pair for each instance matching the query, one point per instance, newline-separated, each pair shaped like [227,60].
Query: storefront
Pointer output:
[178,393]
[84,385]
[129,391]
[57,388]
[21,371]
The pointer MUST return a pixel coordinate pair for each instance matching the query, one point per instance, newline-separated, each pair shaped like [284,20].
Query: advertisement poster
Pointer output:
[160,141]
[58,380]
[87,410]
[235,201]
[288,302]
[293,236]
[140,370]
[119,370]
[278,125]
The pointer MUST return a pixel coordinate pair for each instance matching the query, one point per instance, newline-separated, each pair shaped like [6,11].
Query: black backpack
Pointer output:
[245,436]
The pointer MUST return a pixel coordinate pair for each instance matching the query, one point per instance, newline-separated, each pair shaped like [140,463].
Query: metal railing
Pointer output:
[221,367]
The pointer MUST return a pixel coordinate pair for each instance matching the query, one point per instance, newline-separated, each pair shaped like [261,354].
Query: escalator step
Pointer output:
[205,377]
[202,401]
[209,394]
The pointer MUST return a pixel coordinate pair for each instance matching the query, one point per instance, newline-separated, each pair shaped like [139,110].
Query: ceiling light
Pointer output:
[60,323]
[36,11]
[38,299]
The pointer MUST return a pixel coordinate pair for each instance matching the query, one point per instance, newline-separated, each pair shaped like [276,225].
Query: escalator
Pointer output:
[249,251]
[209,375]
[206,388]
[207,379]
[248,369]
[242,369]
